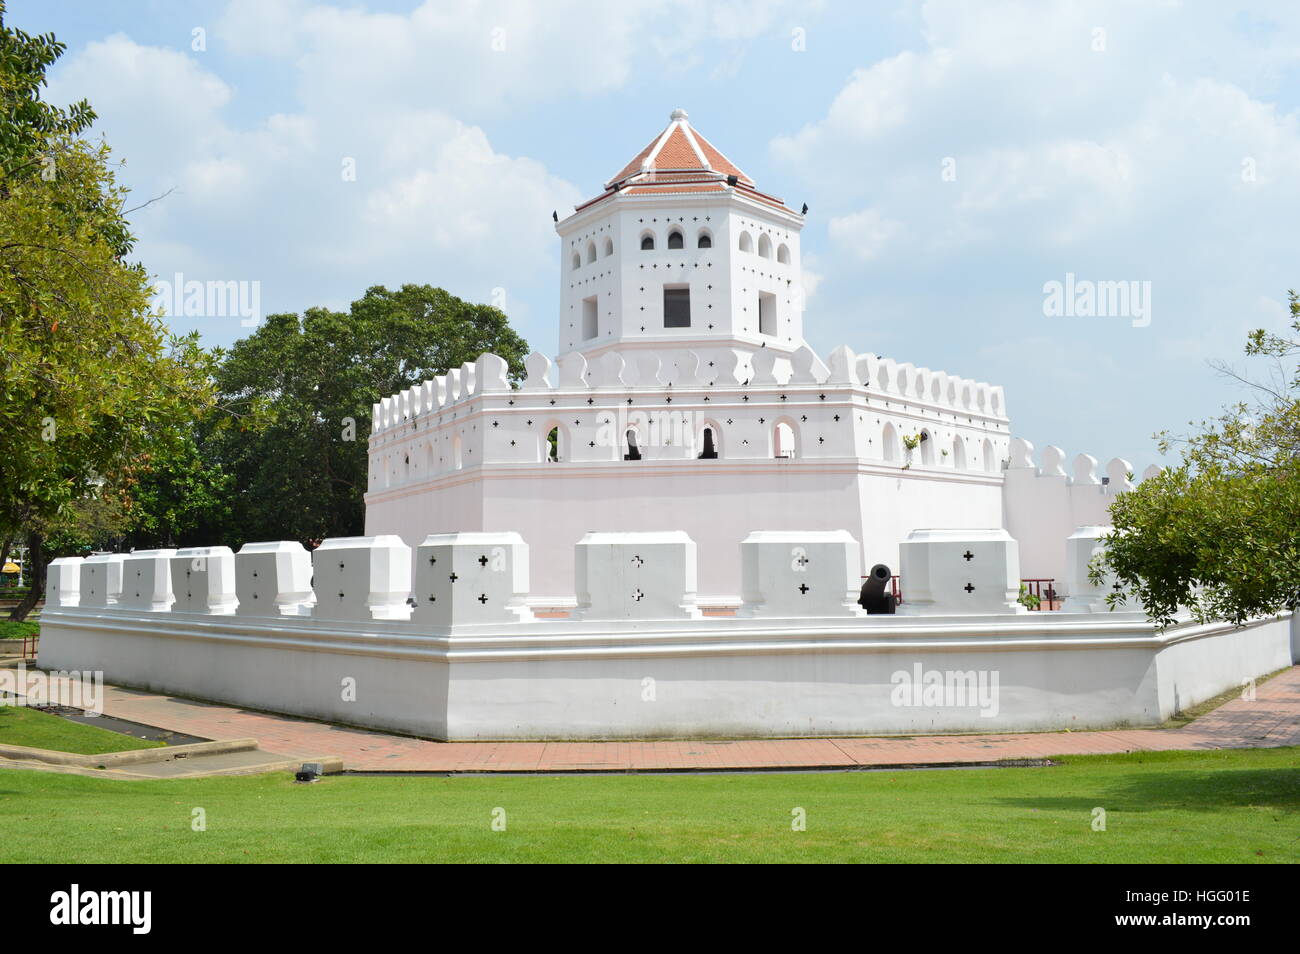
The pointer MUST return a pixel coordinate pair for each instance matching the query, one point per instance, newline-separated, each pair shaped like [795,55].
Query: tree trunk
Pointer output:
[36,579]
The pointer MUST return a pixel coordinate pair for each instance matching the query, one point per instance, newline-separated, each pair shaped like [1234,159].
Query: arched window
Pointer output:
[986,453]
[764,247]
[675,239]
[456,460]
[708,447]
[633,452]
[889,443]
[577,261]
[553,445]
[647,242]
[609,247]
[927,449]
[783,254]
[783,444]
[746,242]
[959,453]
[705,240]
[591,252]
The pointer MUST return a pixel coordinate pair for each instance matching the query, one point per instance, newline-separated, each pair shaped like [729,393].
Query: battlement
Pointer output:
[439,640]
[1044,503]
[481,580]
[647,406]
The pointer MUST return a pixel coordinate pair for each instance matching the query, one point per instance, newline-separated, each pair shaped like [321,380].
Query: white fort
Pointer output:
[664,531]
[686,398]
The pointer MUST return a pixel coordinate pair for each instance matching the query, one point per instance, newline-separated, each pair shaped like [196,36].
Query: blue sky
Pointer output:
[1152,142]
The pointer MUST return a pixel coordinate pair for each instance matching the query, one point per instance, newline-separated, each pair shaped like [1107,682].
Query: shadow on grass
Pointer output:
[1185,791]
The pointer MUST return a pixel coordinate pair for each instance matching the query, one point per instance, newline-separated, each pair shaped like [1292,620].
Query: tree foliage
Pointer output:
[92,386]
[1219,534]
[301,388]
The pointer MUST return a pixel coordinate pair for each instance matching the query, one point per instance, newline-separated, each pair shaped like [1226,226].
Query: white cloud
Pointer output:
[862,234]
[432,199]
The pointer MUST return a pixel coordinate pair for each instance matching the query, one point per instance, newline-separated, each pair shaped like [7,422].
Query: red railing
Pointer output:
[32,640]
[1045,589]
[896,589]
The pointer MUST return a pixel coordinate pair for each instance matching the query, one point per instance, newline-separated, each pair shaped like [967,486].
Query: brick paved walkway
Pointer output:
[1272,719]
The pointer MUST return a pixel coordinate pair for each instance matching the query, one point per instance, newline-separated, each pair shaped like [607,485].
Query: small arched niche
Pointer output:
[784,444]
[631,449]
[889,442]
[709,441]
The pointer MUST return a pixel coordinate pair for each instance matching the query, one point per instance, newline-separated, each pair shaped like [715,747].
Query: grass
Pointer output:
[1222,806]
[20,725]
[11,630]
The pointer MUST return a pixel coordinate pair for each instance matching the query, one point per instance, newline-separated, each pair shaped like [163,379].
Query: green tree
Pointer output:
[302,387]
[91,384]
[1219,533]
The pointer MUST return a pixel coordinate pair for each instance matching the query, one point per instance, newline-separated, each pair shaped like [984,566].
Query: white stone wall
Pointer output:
[705,678]
[1046,499]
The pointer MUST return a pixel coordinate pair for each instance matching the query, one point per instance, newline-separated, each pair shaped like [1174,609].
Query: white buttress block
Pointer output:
[273,579]
[362,578]
[636,576]
[203,580]
[147,581]
[1081,596]
[800,573]
[465,578]
[101,579]
[959,573]
[63,581]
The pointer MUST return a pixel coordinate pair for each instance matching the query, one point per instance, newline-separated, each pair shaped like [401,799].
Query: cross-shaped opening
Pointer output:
[453,578]
[803,588]
[969,588]
[482,598]
[968,556]
[483,560]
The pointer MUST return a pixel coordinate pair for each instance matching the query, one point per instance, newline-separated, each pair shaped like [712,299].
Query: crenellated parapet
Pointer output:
[1045,499]
[652,407]
[479,581]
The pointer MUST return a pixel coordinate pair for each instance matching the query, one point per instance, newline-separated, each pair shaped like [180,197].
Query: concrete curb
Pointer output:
[332,765]
[130,757]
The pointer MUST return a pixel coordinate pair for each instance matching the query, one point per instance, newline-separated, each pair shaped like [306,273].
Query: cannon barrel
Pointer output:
[875,596]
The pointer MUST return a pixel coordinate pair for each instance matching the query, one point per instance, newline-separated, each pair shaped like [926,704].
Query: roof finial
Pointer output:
[678,115]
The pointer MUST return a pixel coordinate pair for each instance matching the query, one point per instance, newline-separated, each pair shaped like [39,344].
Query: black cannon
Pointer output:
[876,596]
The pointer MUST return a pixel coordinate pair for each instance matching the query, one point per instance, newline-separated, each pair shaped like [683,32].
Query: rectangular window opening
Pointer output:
[590,319]
[766,314]
[677,306]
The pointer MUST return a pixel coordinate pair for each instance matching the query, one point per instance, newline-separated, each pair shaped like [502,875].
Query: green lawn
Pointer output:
[20,725]
[11,630]
[1238,806]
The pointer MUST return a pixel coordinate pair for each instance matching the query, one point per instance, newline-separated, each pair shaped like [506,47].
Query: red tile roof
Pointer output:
[680,160]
